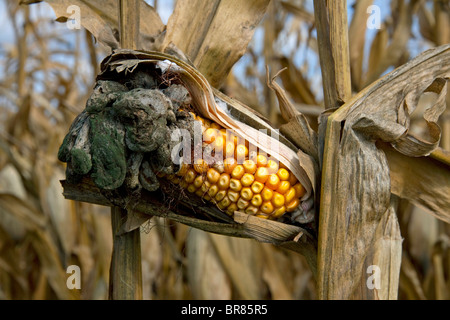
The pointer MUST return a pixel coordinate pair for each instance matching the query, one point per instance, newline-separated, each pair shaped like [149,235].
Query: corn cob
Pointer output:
[251,183]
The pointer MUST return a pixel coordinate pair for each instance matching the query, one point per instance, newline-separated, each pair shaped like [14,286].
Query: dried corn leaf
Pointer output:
[101,19]
[274,276]
[387,256]
[51,264]
[207,275]
[241,259]
[215,34]
[356,183]
[422,180]
[399,41]
[357,36]
[298,11]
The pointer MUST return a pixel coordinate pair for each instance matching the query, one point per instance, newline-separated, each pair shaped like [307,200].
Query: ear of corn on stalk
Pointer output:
[238,180]
[124,141]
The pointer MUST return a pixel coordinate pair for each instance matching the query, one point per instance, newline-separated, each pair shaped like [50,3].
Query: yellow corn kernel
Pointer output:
[210,135]
[190,175]
[205,186]
[261,160]
[229,149]
[224,181]
[278,212]
[224,203]
[215,126]
[291,206]
[201,166]
[284,187]
[292,179]
[272,166]
[229,165]
[251,210]
[232,138]
[267,207]
[235,185]
[219,143]
[262,174]
[238,172]
[247,179]
[219,167]
[213,190]
[267,194]
[198,181]
[213,175]
[299,190]
[191,188]
[175,180]
[220,195]
[246,193]
[206,197]
[242,204]
[183,170]
[241,152]
[283,174]
[233,195]
[232,208]
[257,187]
[257,200]
[273,182]
[249,166]
[262,215]
[277,200]
[290,195]
[199,193]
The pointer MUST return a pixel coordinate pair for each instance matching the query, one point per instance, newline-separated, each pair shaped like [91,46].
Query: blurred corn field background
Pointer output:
[47,73]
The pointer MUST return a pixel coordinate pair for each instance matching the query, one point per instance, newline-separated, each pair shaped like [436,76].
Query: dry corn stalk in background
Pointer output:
[282,274]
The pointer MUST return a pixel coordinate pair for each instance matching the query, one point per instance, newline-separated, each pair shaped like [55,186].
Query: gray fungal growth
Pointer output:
[123,138]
